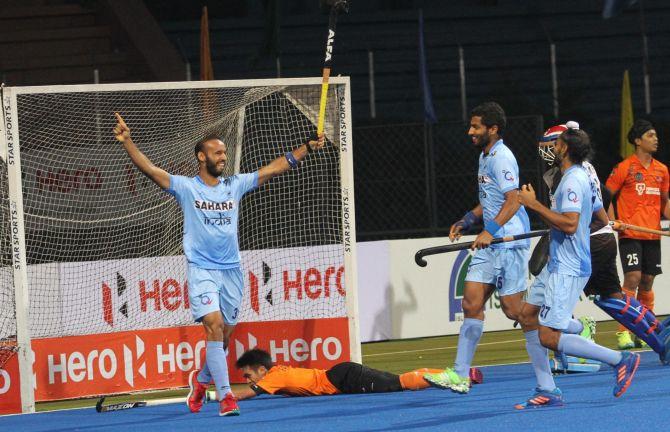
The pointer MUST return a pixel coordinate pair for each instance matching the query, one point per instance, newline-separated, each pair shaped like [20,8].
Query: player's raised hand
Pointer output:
[318,143]
[121,130]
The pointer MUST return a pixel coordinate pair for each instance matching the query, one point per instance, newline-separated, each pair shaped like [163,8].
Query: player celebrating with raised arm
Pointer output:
[210,205]
[640,187]
[501,266]
[264,377]
[570,260]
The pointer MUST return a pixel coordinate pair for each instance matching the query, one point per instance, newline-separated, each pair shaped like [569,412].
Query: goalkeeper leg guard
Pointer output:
[636,318]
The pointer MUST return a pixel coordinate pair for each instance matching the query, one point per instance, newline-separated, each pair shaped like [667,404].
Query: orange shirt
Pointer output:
[286,380]
[639,200]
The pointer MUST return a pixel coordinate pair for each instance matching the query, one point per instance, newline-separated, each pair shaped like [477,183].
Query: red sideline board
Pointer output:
[79,366]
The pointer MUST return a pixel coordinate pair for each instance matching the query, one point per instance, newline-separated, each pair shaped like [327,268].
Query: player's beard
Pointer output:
[482,140]
[558,157]
[212,168]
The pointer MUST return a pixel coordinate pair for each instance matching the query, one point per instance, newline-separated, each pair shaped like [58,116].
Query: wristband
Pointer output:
[291,160]
[492,227]
[467,221]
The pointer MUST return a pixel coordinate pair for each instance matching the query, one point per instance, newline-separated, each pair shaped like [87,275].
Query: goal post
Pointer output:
[15,287]
[97,262]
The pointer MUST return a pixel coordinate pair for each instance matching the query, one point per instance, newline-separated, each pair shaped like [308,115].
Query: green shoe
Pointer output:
[589,327]
[448,379]
[639,343]
[624,340]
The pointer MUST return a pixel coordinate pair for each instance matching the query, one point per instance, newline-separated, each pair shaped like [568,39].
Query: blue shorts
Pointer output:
[507,269]
[561,294]
[215,290]
[535,295]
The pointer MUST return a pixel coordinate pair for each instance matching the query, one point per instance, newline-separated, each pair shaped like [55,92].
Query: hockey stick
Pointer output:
[418,257]
[120,406]
[340,5]
[626,226]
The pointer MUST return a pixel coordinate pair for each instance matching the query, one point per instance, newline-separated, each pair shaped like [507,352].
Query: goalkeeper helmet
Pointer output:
[548,140]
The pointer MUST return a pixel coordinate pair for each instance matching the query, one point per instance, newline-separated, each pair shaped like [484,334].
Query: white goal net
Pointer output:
[103,244]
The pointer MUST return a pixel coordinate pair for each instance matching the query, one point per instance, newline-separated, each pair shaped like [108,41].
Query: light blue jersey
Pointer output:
[210,218]
[499,174]
[571,253]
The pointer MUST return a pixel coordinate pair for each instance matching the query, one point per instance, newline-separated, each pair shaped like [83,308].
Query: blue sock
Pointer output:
[539,358]
[205,376]
[471,332]
[579,347]
[218,368]
[574,327]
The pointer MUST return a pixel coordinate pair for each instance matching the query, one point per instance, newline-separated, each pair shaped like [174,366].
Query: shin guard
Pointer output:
[636,318]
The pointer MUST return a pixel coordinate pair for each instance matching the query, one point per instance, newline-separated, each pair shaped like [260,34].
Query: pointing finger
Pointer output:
[120,119]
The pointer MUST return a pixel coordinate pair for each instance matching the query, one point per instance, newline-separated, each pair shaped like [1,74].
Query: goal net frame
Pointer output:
[10,153]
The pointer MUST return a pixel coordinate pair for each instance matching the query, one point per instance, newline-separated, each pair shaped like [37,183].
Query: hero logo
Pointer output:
[313,283]
[168,294]
[107,312]
[77,367]
[329,44]
[5,381]
[297,350]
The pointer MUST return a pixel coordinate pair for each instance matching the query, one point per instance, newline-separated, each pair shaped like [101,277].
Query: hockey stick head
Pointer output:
[418,259]
[98,406]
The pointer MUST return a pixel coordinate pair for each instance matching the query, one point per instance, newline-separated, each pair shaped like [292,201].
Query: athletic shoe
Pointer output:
[543,399]
[639,343]
[624,340]
[228,406]
[589,330]
[624,372]
[449,379]
[196,395]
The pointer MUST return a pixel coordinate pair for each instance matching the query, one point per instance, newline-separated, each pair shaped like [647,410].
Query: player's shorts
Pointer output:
[535,294]
[507,269]
[215,290]
[640,255]
[349,377]
[561,294]
[604,280]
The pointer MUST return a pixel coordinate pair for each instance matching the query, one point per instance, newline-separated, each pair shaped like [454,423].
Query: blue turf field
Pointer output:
[488,407]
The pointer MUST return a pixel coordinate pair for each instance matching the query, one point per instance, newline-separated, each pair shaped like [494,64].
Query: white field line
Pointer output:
[455,346]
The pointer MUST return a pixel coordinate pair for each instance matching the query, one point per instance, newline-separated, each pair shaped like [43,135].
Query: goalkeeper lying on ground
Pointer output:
[264,377]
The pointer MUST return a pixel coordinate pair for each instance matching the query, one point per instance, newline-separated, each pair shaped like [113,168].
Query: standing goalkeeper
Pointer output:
[210,205]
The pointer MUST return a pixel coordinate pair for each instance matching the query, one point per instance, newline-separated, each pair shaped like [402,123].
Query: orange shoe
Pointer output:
[228,406]
[196,396]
